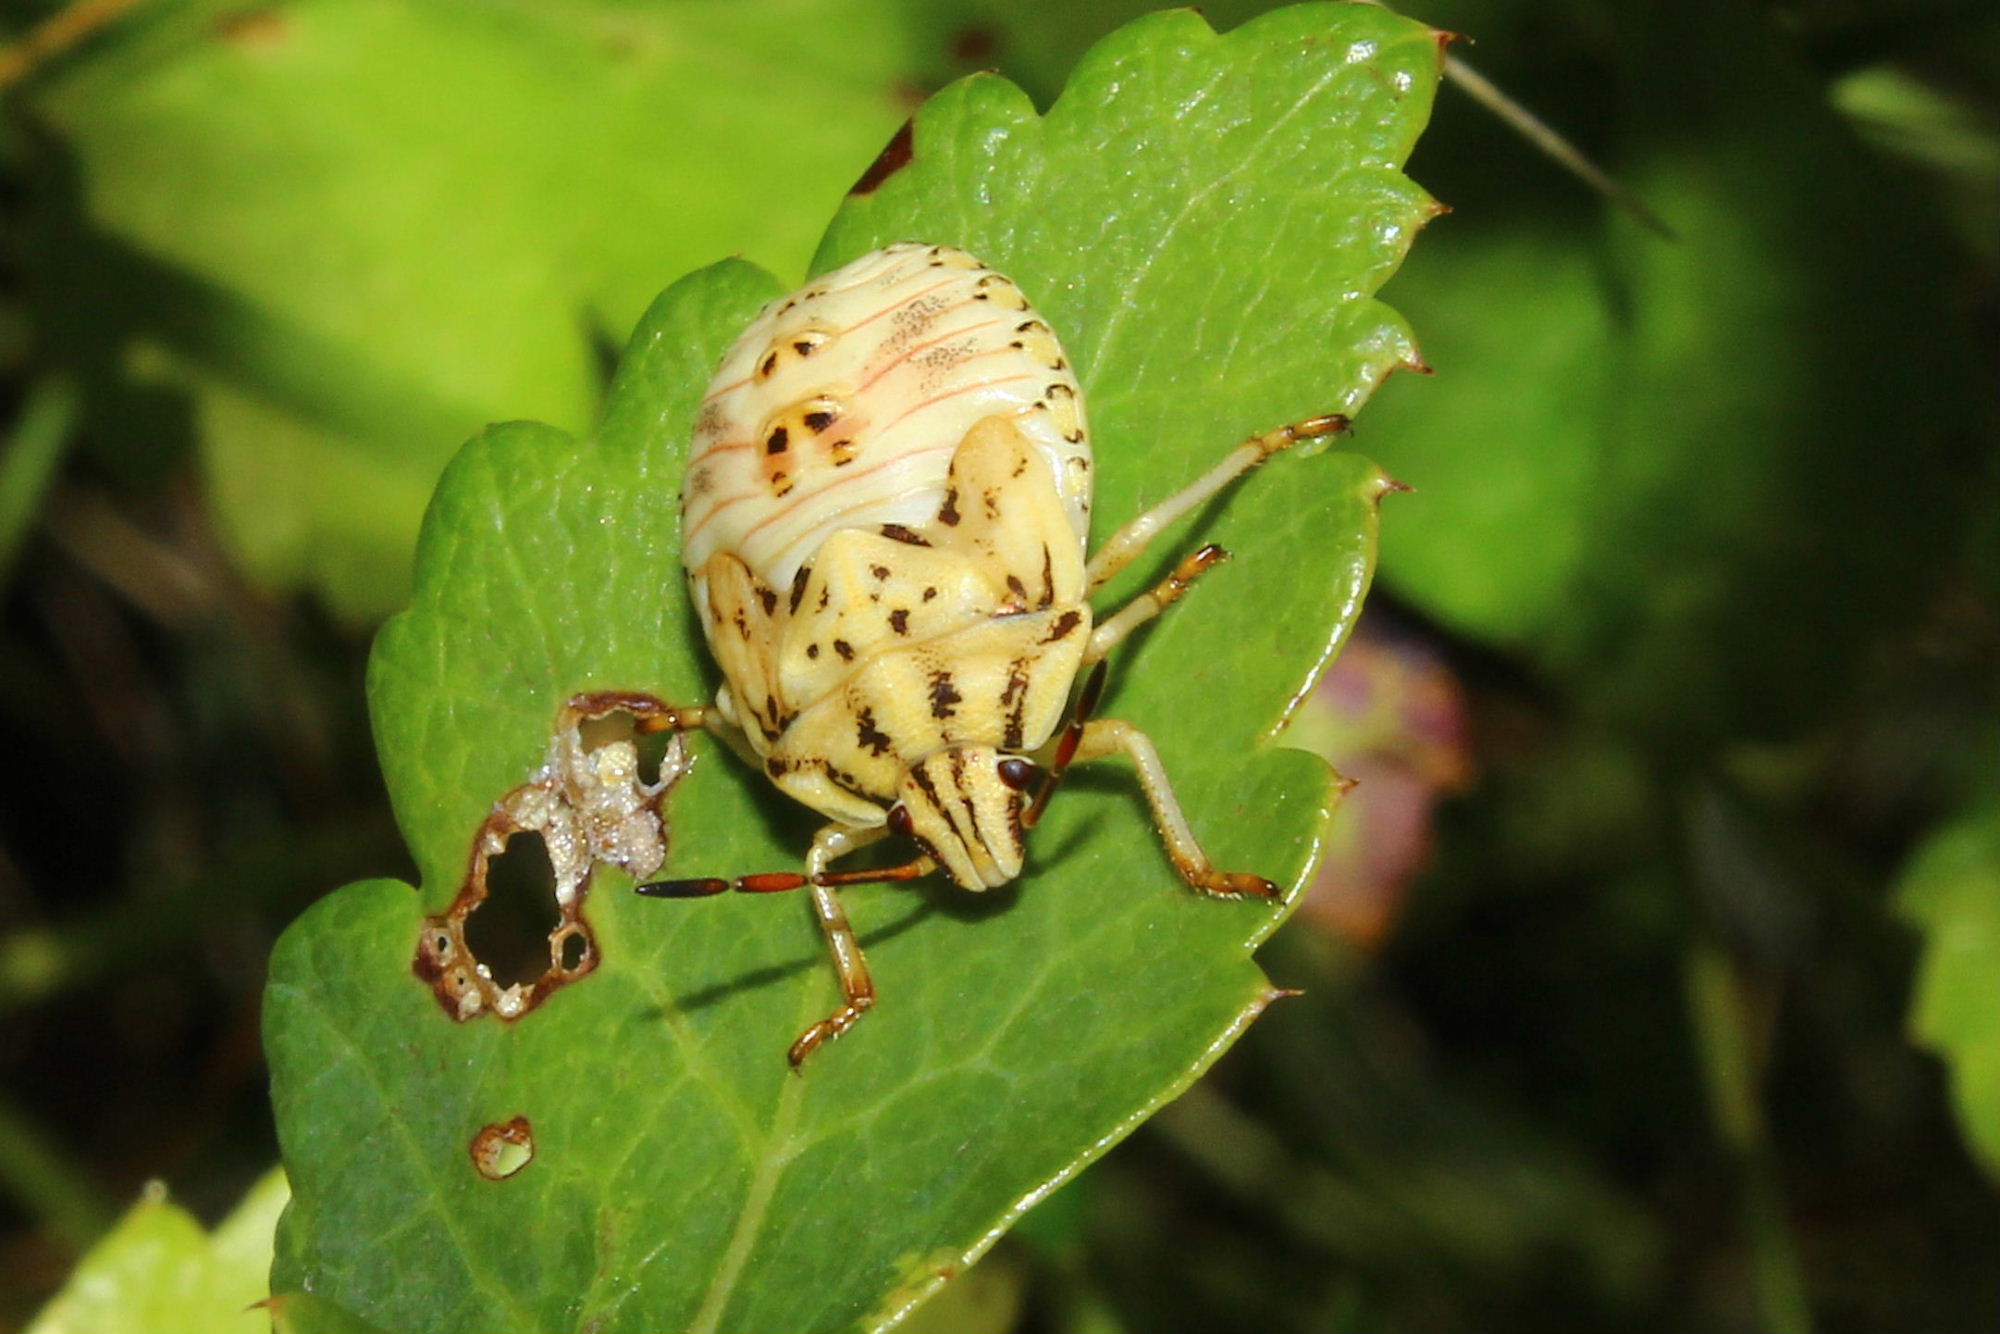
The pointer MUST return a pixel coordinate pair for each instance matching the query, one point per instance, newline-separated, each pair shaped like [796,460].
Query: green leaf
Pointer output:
[158,1272]
[355,233]
[1669,472]
[1951,891]
[1206,220]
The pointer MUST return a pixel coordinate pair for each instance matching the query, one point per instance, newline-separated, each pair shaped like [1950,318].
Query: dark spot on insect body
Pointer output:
[700,482]
[1048,576]
[895,532]
[869,736]
[778,441]
[1020,466]
[899,621]
[799,582]
[922,778]
[945,698]
[991,503]
[879,571]
[769,366]
[742,623]
[1065,623]
[769,597]
[844,649]
[805,347]
[825,596]
[948,512]
[781,483]
[1017,588]
[776,767]
[929,593]
[812,650]
[819,419]
[893,158]
[1015,700]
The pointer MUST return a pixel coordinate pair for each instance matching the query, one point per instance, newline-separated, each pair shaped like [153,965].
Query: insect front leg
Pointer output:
[832,841]
[1109,736]
[857,988]
[1129,542]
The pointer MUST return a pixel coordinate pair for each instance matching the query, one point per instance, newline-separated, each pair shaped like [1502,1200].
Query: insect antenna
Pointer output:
[778,882]
[1086,704]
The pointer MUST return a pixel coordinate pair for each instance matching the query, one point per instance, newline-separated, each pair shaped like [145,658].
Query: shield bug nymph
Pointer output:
[884,522]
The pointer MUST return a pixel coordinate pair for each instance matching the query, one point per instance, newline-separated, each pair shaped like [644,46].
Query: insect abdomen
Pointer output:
[840,407]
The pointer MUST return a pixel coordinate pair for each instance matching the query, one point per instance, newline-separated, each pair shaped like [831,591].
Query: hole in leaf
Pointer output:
[509,932]
[594,734]
[502,1149]
[515,933]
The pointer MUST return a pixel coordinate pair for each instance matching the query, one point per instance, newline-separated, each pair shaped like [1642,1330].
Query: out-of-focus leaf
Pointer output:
[158,1272]
[1951,892]
[1675,471]
[1205,220]
[356,232]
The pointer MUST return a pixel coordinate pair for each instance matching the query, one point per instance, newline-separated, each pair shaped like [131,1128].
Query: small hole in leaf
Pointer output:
[509,932]
[502,1149]
[621,725]
[572,951]
[597,733]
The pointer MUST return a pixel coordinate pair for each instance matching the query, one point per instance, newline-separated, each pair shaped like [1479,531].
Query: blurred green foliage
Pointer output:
[1706,528]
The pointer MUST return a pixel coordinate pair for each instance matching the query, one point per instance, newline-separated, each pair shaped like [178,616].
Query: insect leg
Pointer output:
[1111,631]
[648,714]
[834,840]
[1128,542]
[1108,736]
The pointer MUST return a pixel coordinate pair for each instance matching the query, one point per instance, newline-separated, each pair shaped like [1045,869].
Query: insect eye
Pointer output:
[1018,773]
[899,820]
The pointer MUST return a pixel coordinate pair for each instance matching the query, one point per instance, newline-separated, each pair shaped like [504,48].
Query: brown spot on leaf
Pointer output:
[895,156]
[502,1149]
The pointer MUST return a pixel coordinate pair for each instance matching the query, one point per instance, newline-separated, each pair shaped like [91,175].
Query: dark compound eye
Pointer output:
[899,819]
[1018,773]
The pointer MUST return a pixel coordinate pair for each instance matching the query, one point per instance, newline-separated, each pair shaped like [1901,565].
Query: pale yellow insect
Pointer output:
[884,521]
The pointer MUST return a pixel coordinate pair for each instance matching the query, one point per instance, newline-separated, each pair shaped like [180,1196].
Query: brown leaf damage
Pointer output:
[500,1150]
[589,802]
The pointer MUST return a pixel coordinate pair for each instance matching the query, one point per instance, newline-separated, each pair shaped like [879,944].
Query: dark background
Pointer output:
[1682,657]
